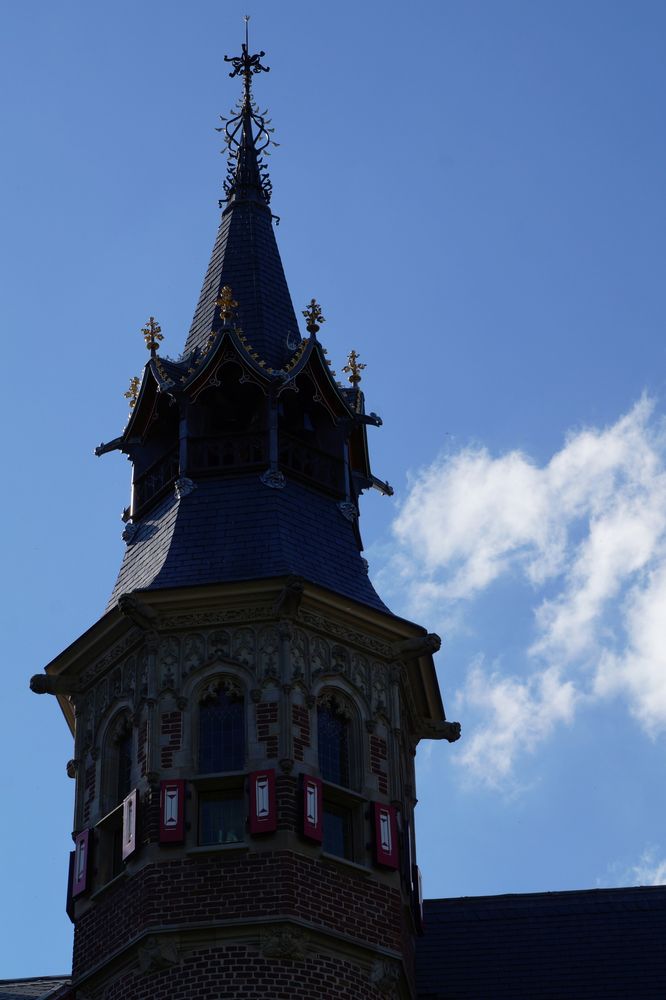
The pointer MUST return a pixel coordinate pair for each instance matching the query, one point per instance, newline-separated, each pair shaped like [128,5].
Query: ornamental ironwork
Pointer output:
[247,131]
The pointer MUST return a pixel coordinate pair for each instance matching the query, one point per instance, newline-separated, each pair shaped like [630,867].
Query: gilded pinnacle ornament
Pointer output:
[227,303]
[133,391]
[313,316]
[354,368]
[152,333]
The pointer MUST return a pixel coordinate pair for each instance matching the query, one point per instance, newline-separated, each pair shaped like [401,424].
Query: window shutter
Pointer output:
[417,898]
[80,875]
[69,905]
[263,806]
[172,812]
[313,825]
[386,836]
[130,804]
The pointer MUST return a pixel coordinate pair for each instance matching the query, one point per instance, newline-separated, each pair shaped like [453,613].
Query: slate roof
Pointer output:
[246,258]
[31,989]
[240,529]
[595,944]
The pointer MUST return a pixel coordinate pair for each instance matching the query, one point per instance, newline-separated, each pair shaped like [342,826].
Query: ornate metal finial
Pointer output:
[227,303]
[133,391]
[354,368]
[313,316]
[247,131]
[152,333]
[246,65]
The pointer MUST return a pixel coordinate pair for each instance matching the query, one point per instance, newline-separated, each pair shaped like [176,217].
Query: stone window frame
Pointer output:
[226,784]
[346,800]
[120,725]
[108,830]
[207,690]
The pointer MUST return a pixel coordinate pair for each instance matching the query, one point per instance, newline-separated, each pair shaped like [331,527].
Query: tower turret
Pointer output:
[246,712]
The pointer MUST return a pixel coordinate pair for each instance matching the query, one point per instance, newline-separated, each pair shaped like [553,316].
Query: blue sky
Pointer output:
[475,195]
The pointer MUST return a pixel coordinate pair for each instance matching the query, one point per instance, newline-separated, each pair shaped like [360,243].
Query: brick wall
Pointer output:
[300,717]
[267,716]
[241,972]
[201,888]
[378,757]
[171,735]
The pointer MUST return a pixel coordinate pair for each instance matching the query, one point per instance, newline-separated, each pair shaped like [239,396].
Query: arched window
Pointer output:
[221,729]
[117,762]
[333,736]
[117,785]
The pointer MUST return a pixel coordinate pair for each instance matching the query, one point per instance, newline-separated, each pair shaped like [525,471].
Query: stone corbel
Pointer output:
[143,616]
[289,601]
[412,649]
[432,729]
[44,684]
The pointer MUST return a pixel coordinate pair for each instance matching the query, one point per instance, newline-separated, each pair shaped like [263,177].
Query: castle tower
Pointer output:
[246,712]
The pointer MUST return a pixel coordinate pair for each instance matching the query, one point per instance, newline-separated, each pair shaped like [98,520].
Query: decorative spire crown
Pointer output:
[247,132]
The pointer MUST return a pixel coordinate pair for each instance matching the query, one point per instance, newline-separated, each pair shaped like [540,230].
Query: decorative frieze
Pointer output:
[345,634]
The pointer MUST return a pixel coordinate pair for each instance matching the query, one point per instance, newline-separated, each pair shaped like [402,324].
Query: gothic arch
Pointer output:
[220,737]
[117,744]
[339,712]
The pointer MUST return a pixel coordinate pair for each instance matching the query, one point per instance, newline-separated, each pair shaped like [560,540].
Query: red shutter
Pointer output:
[386,836]
[313,825]
[263,807]
[130,805]
[69,905]
[80,875]
[172,812]
[417,897]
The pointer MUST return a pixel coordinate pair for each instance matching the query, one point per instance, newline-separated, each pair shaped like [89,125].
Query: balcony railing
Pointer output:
[227,454]
[239,453]
[304,461]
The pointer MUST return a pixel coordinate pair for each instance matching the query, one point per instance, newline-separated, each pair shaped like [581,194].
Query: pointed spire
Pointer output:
[245,256]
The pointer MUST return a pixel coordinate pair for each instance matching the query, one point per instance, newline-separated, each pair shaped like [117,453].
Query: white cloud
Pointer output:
[518,715]
[586,535]
[650,870]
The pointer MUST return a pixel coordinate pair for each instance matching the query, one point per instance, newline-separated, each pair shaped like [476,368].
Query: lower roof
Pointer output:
[35,988]
[239,529]
[594,944]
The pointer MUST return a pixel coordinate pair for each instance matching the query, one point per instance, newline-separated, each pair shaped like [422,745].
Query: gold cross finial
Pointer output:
[313,316]
[226,302]
[152,333]
[354,368]
[133,391]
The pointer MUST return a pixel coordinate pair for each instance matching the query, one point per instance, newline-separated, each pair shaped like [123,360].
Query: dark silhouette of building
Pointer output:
[246,713]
